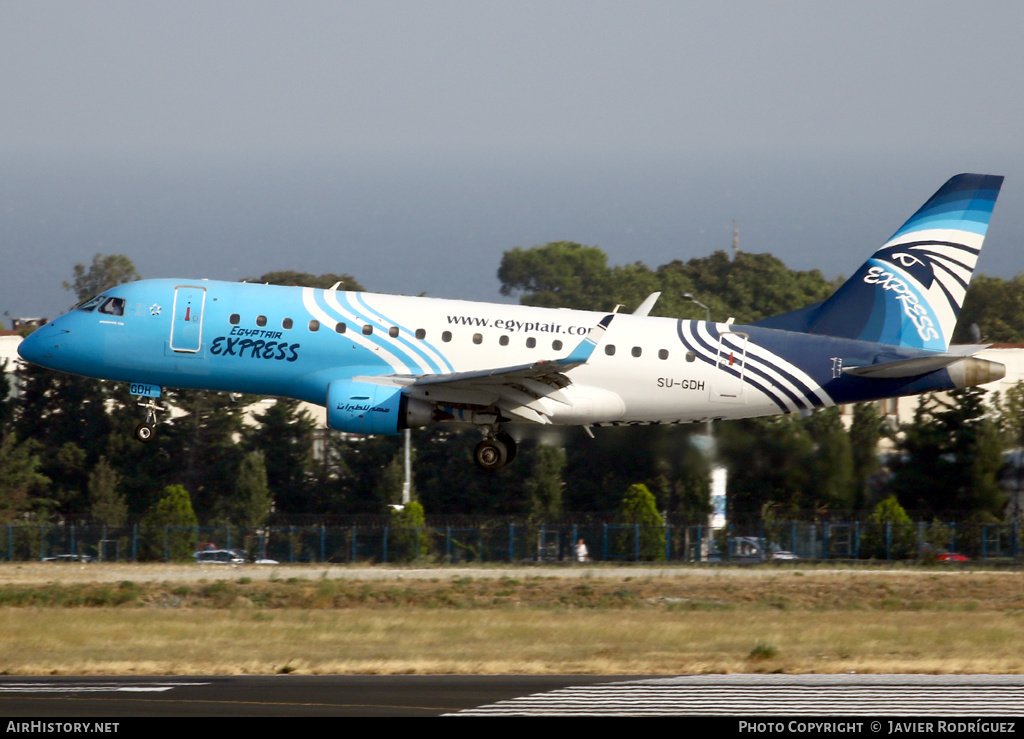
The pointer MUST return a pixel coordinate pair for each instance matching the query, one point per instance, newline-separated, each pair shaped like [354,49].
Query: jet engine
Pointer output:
[366,408]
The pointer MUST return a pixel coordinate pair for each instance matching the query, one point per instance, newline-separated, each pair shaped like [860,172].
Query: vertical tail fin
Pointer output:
[909,293]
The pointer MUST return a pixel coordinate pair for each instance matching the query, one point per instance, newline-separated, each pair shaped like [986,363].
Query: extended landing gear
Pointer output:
[146,430]
[495,452]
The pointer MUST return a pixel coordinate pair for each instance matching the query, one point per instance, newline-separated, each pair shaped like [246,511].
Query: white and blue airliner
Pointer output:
[383,363]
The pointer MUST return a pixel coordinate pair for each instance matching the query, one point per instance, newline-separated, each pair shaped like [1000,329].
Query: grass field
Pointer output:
[191,620]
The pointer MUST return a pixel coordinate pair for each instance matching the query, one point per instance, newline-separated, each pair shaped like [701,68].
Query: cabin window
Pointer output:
[690,356]
[367,330]
[234,319]
[286,323]
[421,334]
[393,332]
[446,336]
[340,327]
[663,354]
[503,341]
[531,342]
[637,351]
[314,325]
[556,344]
[478,338]
[609,349]
[261,321]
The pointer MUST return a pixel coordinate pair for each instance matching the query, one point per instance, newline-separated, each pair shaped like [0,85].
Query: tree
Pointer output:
[19,477]
[104,273]
[304,279]
[561,274]
[996,306]
[639,508]
[830,484]
[410,528]
[252,501]
[168,527]
[544,486]
[866,429]
[284,438]
[950,457]
[889,533]
[106,503]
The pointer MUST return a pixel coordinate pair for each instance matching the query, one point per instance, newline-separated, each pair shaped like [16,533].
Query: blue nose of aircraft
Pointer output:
[43,346]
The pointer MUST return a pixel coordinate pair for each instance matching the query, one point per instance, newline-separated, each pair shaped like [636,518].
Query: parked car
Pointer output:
[67,558]
[229,557]
[751,549]
[952,557]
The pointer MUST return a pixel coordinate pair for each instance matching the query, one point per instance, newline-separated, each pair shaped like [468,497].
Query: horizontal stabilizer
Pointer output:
[980,370]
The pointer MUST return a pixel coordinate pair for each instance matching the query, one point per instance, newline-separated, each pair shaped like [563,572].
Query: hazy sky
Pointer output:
[411,143]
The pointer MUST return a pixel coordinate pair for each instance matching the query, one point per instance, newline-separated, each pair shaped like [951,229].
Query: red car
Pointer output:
[951,557]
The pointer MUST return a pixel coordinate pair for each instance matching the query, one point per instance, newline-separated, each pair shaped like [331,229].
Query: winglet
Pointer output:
[581,354]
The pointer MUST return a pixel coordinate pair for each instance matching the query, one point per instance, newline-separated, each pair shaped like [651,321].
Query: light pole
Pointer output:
[689,296]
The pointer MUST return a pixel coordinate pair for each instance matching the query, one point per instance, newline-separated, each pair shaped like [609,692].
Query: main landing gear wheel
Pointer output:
[510,446]
[144,432]
[491,455]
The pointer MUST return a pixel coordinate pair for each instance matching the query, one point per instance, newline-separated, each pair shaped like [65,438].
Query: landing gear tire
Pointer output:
[510,446]
[491,455]
[144,433]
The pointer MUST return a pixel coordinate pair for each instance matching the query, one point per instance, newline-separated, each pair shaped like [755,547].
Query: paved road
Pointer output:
[953,696]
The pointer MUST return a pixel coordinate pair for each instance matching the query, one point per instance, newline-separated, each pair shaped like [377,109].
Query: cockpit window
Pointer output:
[113,307]
[90,305]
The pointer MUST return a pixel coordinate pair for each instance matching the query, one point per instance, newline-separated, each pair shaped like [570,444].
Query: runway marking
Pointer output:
[92,688]
[765,696]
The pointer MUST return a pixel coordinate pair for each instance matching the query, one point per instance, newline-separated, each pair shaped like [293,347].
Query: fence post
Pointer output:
[385,545]
[984,541]
[824,540]
[888,539]
[700,541]
[604,542]
[668,542]
[323,543]
[856,539]
[354,534]
[511,543]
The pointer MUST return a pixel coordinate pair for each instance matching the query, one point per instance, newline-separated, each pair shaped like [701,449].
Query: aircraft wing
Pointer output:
[518,391]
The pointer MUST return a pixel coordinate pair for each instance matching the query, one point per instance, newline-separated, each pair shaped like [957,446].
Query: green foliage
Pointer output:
[749,287]
[171,520]
[866,429]
[106,503]
[104,273]
[252,502]
[889,533]
[409,526]
[304,279]
[639,507]
[544,486]
[996,306]
[950,458]
[284,438]
[19,476]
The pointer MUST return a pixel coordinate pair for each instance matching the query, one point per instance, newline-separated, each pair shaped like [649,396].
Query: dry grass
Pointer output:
[788,621]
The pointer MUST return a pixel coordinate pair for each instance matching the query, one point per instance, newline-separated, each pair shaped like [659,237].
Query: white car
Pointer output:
[229,557]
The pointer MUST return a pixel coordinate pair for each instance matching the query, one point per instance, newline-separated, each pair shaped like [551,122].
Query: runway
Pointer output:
[953,696]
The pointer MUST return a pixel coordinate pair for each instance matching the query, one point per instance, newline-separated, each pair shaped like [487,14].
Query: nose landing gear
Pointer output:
[145,431]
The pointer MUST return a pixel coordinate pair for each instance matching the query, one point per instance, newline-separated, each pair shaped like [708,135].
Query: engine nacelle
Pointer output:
[365,408]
